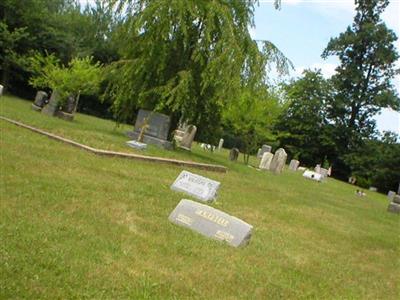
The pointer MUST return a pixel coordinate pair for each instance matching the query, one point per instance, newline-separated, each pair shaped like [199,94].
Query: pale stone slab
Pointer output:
[391,195]
[301,169]
[200,187]
[294,164]
[220,144]
[188,137]
[278,161]
[136,145]
[1,90]
[312,175]
[394,208]
[266,161]
[396,199]
[211,222]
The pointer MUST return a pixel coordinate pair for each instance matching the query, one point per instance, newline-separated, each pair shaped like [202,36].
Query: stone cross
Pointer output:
[266,161]
[188,137]
[211,223]
[200,187]
[278,161]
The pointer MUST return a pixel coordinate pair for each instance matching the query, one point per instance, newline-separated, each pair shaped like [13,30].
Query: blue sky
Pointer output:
[301,29]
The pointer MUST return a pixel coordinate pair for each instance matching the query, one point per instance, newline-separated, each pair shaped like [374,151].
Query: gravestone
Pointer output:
[188,137]
[312,175]
[266,161]
[40,100]
[294,164]
[234,154]
[394,205]
[259,153]
[373,189]
[317,169]
[70,105]
[200,187]
[52,107]
[391,195]
[220,144]
[211,222]
[324,172]
[1,90]
[157,128]
[264,148]
[136,145]
[301,169]
[278,161]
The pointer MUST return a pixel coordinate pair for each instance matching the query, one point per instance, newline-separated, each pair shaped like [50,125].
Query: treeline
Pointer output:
[196,61]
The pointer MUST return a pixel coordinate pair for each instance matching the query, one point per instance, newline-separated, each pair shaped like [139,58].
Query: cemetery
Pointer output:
[199,149]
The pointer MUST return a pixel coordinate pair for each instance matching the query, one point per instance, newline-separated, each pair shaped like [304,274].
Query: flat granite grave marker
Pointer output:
[200,187]
[136,145]
[211,222]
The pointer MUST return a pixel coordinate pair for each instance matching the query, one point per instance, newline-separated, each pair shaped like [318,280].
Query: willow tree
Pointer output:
[186,58]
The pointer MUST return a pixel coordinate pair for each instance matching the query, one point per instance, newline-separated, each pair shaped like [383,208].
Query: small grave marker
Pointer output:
[137,145]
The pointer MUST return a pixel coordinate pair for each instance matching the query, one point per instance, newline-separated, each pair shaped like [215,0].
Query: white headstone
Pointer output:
[294,164]
[137,145]
[1,90]
[211,222]
[200,187]
[317,168]
[312,175]
[278,161]
[266,161]
[220,144]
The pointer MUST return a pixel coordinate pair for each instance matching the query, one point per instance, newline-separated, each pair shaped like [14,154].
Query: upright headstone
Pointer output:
[234,154]
[1,90]
[317,169]
[211,222]
[259,153]
[52,107]
[278,161]
[188,137]
[266,161]
[264,148]
[391,195]
[220,144]
[200,187]
[394,205]
[40,100]
[70,105]
[294,164]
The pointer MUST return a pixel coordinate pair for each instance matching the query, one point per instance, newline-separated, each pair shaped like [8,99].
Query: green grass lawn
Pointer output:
[76,225]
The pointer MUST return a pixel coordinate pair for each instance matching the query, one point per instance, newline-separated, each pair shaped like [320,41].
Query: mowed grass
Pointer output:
[76,225]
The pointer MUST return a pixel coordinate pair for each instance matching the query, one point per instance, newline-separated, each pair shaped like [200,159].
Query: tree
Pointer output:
[186,58]
[363,80]
[303,128]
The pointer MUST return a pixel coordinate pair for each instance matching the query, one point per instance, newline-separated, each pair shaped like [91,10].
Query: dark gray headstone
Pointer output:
[234,154]
[52,107]
[211,222]
[200,187]
[41,98]
[70,105]
[158,124]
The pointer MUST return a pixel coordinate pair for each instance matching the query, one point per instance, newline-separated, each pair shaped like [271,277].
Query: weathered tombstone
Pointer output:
[200,187]
[259,153]
[136,145]
[188,137]
[294,164]
[157,128]
[396,199]
[52,107]
[1,90]
[234,154]
[312,175]
[70,105]
[40,100]
[394,205]
[220,144]
[373,189]
[278,161]
[211,222]
[266,161]
[264,148]
[391,195]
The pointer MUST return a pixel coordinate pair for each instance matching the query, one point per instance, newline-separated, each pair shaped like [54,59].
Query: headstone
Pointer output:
[234,154]
[211,222]
[220,144]
[52,107]
[70,105]
[317,168]
[264,148]
[373,189]
[137,145]
[391,195]
[259,153]
[396,199]
[394,208]
[312,175]
[324,172]
[266,161]
[1,90]
[188,137]
[40,99]
[301,169]
[278,161]
[157,128]
[200,187]
[294,164]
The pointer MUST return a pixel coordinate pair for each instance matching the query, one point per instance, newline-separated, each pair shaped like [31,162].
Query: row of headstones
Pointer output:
[212,148]
[52,106]
[204,219]
[394,201]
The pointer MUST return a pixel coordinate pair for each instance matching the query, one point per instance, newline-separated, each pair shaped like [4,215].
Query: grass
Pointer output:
[76,225]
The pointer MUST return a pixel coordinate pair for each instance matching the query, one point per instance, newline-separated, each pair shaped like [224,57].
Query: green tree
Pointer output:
[186,58]
[303,128]
[364,77]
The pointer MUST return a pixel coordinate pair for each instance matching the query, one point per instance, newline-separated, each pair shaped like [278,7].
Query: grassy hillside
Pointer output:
[76,225]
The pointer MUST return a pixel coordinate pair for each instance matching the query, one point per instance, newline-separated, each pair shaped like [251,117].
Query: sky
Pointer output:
[301,29]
